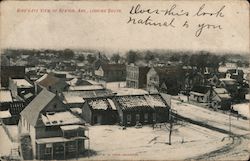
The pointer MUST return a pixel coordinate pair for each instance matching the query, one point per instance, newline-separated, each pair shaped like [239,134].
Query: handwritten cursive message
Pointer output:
[176,17]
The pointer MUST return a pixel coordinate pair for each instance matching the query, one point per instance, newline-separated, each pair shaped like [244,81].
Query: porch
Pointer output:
[70,145]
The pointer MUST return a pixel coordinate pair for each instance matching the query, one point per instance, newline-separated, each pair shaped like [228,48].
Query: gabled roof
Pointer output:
[222,93]
[49,80]
[33,109]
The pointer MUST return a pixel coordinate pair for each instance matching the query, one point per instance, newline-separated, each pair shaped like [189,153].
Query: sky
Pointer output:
[111,32]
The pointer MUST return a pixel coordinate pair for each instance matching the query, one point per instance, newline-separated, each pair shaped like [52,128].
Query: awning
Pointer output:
[5,114]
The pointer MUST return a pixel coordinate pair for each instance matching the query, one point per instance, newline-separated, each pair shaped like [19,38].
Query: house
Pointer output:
[200,94]
[220,99]
[166,79]
[111,72]
[136,76]
[51,83]
[54,132]
[144,109]
[100,111]
[236,74]
[11,72]
[22,88]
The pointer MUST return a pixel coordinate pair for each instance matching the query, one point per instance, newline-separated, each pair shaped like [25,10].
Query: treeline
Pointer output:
[199,59]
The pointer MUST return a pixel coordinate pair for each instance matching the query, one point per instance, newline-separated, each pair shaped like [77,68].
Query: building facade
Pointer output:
[54,132]
[136,76]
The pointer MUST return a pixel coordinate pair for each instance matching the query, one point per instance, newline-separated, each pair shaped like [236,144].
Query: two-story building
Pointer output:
[111,72]
[136,76]
[54,132]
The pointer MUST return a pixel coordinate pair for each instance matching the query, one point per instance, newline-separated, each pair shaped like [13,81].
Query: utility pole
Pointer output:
[171,122]
[170,130]
[230,120]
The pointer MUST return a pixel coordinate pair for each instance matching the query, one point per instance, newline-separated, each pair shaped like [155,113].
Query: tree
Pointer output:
[91,58]
[115,58]
[132,56]
[81,58]
[67,54]
[149,56]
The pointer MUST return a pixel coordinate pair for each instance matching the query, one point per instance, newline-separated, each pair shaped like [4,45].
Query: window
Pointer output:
[48,149]
[146,117]
[137,116]
[71,147]
[128,118]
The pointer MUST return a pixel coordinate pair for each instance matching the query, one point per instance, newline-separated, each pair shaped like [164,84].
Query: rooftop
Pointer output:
[100,104]
[72,99]
[22,83]
[5,96]
[60,118]
[86,88]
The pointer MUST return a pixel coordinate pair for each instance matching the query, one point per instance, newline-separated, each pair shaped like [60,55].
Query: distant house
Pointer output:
[66,66]
[136,76]
[11,72]
[168,79]
[100,111]
[200,94]
[236,74]
[220,99]
[144,109]
[235,89]
[51,83]
[55,132]
[111,72]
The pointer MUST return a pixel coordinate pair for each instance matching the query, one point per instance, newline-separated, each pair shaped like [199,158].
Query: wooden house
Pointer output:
[220,99]
[54,132]
[111,72]
[100,111]
[144,109]
[136,76]
[200,94]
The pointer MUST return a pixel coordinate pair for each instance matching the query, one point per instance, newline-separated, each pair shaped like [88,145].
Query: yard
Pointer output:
[111,142]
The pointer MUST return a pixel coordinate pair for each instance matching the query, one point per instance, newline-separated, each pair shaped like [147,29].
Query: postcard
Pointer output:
[125,80]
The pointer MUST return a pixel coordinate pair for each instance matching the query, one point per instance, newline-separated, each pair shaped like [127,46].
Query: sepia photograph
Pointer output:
[125,80]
